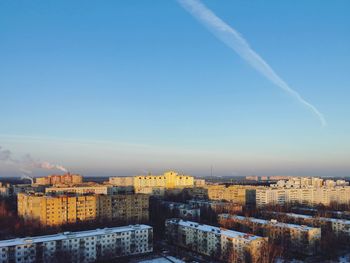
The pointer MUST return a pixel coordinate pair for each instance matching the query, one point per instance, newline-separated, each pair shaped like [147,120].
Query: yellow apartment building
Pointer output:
[169,179]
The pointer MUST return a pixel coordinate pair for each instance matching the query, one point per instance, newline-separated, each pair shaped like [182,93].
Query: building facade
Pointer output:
[96,189]
[5,190]
[227,245]
[337,226]
[68,209]
[69,179]
[83,246]
[169,179]
[305,196]
[121,181]
[235,193]
[299,238]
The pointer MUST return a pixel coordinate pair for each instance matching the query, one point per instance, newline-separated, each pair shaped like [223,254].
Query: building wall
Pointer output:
[84,246]
[59,179]
[215,242]
[121,181]
[302,239]
[63,209]
[167,180]
[98,189]
[130,208]
[307,196]
[235,193]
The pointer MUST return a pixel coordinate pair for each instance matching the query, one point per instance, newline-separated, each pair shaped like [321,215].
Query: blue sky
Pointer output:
[123,87]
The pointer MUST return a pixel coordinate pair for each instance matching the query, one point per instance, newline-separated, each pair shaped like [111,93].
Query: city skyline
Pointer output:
[126,88]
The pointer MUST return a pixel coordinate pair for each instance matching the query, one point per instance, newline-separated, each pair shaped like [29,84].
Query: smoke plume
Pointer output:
[235,41]
[27,162]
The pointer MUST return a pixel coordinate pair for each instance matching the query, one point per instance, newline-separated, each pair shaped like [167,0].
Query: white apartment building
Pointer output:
[83,246]
[301,238]
[227,245]
[307,182]
[307,196]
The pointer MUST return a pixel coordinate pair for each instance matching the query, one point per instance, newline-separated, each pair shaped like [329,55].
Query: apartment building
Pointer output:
[67,209]
[59,179]
[181,210]
[337,226]
[217,206]
[306,196]
[299,238]
[96,189]
[218,243]
[130,208]
[169,179]
[57,210]
[83,246]
[5,190]
[199,182]
[235,193]
[307,182]
[121,181]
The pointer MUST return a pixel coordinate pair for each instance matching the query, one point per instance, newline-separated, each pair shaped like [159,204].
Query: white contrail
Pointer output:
[234,40]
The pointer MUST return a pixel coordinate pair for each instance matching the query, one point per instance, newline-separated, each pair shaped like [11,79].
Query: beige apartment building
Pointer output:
[223,244]
[64,209]
[299,238]
[235,193]
[167,180]
[70,179]
[57,210]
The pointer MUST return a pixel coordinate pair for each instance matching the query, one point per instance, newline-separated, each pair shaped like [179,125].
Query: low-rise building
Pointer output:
[83,246]
[215,242]
[300,238]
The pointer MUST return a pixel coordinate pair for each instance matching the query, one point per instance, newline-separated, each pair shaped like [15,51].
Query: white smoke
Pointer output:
[235,41]
[27,162]
[6,155]
[49,166]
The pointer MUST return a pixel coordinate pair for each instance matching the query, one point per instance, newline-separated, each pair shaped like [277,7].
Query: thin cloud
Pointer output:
[235,41]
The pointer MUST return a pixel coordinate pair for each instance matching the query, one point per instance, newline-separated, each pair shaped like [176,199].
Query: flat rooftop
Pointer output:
[335,220]
[214,229]
[71,235]
[265,222]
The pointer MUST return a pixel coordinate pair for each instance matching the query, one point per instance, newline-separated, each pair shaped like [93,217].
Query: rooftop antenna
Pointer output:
[211,171]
